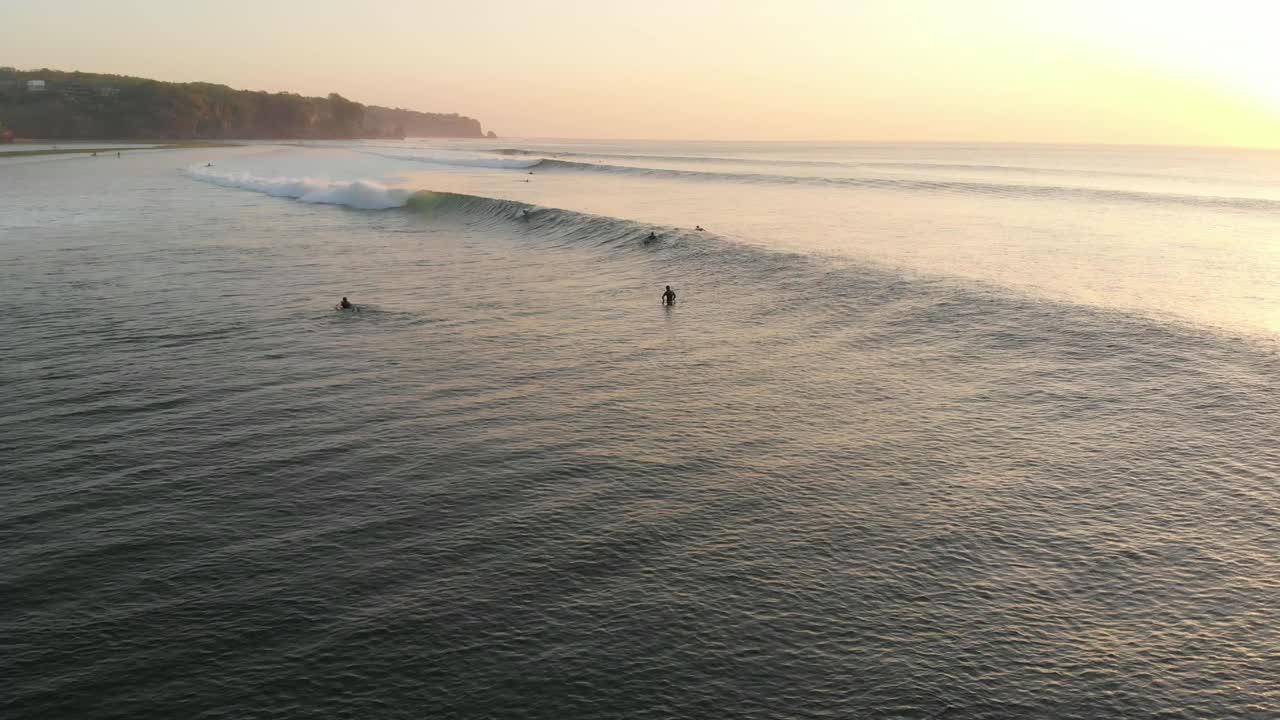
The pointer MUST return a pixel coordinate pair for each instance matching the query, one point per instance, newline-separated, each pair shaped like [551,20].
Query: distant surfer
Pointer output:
[669,297]
[346,305]
[653,238]
[699,228]
[208,164]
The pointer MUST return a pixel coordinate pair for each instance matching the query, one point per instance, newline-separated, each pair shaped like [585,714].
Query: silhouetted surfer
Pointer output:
[699,228]
[653,238]
[346,305]
[669,297]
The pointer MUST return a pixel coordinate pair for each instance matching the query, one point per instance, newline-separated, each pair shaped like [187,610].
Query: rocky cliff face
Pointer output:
[398,122]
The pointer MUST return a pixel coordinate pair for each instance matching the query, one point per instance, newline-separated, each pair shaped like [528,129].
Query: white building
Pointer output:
[35,86]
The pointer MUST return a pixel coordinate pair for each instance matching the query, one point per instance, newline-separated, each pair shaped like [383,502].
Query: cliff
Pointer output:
[75,105]
[396,122]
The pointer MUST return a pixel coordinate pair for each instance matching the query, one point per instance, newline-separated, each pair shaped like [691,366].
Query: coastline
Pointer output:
[96,148]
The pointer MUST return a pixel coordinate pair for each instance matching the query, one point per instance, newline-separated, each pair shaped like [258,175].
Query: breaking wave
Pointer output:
[359,194]
[568,226]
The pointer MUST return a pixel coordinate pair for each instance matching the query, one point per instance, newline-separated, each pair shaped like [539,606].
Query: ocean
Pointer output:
[932,431]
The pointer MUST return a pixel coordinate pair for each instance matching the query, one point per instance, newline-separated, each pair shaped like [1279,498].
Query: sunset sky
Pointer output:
[1132,71]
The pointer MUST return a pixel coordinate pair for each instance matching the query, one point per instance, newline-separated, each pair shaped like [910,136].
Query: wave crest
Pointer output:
[462,160]
[526,160]
[566,226]
[949,186]
[359,194]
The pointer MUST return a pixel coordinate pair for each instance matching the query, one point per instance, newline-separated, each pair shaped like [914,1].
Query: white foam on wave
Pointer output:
[359,194]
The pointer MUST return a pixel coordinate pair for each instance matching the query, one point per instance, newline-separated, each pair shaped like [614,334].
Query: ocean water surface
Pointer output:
[932,431]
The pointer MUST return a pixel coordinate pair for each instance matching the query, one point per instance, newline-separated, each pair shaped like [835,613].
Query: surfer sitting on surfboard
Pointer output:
[346,305]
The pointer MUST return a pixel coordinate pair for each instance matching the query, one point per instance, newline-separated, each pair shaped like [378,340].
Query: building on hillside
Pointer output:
[108,91]
[35,86]
[75,90]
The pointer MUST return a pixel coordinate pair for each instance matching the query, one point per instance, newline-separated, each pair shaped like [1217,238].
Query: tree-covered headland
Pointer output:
[84,106]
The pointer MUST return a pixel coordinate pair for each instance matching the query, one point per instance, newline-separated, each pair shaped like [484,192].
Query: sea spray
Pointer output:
[358,194]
